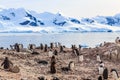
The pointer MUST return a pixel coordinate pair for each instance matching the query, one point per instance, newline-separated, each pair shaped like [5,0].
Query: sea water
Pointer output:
[88,39]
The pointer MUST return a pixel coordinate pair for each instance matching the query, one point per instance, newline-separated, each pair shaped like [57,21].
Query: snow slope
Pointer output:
[21,20]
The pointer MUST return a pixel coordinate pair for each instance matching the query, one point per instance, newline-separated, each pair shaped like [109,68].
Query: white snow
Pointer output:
[52,22]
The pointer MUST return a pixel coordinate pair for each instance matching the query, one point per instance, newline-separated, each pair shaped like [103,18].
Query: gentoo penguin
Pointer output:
[7,63]
[102,64]
[100,78]
[41,46]
[46,48]
[71,65]
[55,78]
[50,53]
[105,74]
[56,44]
[117,40]
[51,45]
[100,70]
[80,58]
[98,58]
[115,74]
[41,78]
[55,52]
[52,66]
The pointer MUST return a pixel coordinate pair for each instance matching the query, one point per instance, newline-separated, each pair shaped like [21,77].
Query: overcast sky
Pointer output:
[70,8]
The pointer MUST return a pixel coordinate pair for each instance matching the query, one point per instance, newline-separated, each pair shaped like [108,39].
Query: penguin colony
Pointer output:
[56,49]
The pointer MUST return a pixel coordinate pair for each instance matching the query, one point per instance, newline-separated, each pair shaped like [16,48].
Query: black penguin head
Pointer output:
[115,71]
[101,66]
[97,54]
[100,78]
[81,54]
[101,62]
[6,58]
[41,78]
[105,73]
[55,78]
[53,57]
[71,62]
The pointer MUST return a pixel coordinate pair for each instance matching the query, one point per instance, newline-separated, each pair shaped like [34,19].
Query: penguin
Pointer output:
[55,78]
[100,78]
[56,44]
[59,44]
[55,52]
[100,70]
[41,78]
[52,66]
[50,53]
[51,45]
[102,64]
[117,40]
[81,58]
[46,48]
[21,46]
[115,74]
[77,52]
[61,48]
[53,59]
[41,46]
[11,46]
[7,63]
[105,74]
[71,65]
[32,46]
[17,47]
[110,54]
[98,58]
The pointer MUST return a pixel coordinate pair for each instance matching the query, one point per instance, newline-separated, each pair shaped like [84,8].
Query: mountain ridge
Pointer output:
[21,20]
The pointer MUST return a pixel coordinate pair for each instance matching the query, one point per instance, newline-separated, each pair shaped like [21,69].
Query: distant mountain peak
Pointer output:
[21,20]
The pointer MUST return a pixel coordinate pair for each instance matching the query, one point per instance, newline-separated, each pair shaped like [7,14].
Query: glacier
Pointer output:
[22,20]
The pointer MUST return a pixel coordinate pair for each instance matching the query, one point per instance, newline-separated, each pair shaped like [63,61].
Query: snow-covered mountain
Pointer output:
[21,20]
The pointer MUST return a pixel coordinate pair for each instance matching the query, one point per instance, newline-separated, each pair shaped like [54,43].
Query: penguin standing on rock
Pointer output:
[52,66]
[100,78]
[100,70]
[98,58]
[7,63]
[105,74]
[71,65]
[102,64]
[51,45]
[41,78]
[61,49]
[46,48]
[80,58]
[50,53]
[115,74]
[41,46]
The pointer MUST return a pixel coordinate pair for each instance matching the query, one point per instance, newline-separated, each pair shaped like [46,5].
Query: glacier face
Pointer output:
[21,20]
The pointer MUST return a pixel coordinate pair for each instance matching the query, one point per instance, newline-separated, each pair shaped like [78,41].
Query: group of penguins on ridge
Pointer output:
[102,70]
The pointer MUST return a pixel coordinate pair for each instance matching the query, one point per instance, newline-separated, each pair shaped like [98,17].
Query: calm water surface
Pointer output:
[89,39]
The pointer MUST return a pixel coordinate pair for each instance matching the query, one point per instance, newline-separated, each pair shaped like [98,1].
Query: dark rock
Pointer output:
[33,24]
[42,62]
[25,22]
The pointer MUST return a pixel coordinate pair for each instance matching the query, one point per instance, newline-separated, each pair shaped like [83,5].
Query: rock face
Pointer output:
[15,69]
